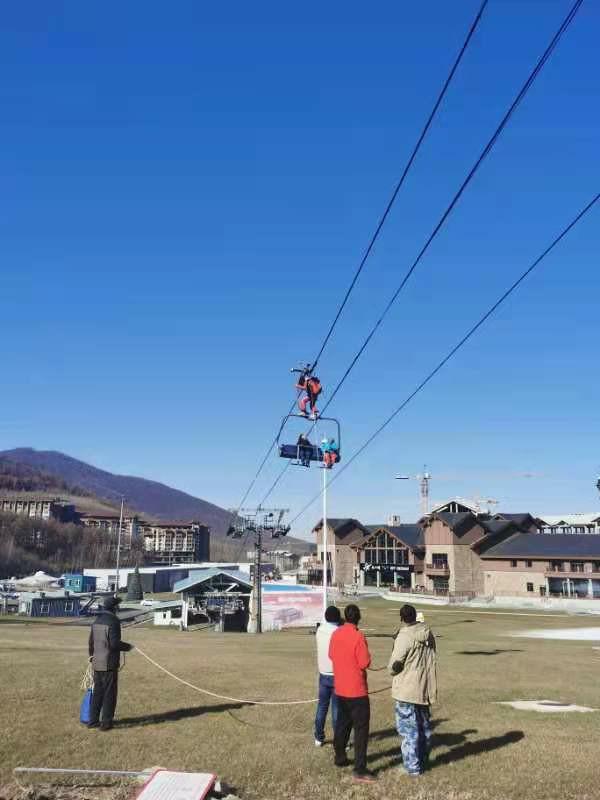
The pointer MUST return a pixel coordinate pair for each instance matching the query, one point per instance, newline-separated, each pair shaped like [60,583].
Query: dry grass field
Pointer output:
[482,751]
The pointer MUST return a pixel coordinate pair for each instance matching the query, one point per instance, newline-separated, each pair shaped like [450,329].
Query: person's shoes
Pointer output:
[343,763]
[106,726]
[319,743]
[411,774]
[364,777]
[93,724]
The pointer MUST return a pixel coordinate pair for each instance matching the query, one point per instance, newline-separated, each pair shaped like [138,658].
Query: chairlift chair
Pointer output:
[298,453]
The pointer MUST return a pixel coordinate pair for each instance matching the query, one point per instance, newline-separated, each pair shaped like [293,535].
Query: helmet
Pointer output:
[324,440]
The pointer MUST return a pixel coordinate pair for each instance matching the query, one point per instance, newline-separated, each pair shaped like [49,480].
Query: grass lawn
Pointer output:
[482,751]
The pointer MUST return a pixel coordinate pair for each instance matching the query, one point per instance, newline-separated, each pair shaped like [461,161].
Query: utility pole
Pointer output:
[257,522]
[119,544]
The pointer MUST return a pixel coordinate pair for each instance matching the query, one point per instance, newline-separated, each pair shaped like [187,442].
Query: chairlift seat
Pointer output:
[296,452]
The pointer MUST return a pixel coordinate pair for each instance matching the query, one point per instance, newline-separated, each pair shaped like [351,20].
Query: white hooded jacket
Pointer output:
[323,636]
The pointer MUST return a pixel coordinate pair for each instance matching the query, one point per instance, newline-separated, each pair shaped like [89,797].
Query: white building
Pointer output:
[155,579]
[569,523]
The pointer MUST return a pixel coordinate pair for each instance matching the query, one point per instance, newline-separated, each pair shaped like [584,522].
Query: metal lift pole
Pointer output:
[324,540]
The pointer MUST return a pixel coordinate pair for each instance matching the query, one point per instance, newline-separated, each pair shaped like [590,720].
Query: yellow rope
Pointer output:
[221,696]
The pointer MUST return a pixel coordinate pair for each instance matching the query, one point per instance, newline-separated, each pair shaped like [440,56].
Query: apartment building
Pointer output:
[38,507]
[175,542]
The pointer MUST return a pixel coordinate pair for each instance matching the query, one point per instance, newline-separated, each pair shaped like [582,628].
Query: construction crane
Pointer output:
[423,479]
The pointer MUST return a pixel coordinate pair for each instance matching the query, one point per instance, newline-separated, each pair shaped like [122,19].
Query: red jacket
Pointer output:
[350,656]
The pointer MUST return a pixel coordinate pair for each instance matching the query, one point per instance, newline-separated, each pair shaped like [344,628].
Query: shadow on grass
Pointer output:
[461,748]
[469,749]
[486,652]
[437,740]
[176,714]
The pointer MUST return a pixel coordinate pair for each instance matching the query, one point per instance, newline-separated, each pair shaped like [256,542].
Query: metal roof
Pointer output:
[547,545]
[408,533]
[201,576]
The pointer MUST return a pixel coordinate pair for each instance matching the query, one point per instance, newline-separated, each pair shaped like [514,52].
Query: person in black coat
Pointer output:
[105,648]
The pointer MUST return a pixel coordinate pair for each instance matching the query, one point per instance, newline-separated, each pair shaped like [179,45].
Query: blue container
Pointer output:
[86,708]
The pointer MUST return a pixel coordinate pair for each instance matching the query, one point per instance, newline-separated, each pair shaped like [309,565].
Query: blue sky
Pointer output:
[187,190]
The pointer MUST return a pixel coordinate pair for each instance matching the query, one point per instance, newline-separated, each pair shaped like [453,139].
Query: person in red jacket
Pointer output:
[350,657]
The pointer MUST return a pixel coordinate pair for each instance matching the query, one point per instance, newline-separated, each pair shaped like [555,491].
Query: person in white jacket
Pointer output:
[333,620]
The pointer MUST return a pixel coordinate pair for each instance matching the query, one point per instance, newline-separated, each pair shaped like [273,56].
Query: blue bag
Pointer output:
[86,707]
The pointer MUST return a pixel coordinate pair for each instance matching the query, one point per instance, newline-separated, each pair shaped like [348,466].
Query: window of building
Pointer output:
[576,566]
[69,606]
[45,608]
[596,566]
[530,587]
[529,564]
[385,549]
[556,566]
[439,560]
[514,563]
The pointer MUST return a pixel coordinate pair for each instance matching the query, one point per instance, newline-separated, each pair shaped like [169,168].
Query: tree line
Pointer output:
[28,545]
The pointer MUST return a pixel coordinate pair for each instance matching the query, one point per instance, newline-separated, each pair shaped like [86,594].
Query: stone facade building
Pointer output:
[456,551]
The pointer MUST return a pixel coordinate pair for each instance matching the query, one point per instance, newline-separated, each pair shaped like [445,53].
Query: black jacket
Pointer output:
[105,645]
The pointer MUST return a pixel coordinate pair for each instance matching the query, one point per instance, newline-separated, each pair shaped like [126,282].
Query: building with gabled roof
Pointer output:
[456,551]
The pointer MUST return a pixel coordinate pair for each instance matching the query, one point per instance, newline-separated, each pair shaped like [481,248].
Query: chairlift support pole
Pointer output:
[259,521]
[324,540]
[258,578]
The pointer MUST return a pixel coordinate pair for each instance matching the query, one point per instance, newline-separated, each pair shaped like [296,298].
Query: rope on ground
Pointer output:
[237,699]
[221,696]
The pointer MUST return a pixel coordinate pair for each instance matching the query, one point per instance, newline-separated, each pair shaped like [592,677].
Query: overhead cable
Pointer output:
[504,296]
[378,229]
[449,209]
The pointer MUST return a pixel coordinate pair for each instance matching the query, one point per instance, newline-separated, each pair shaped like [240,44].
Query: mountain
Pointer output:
[146,497]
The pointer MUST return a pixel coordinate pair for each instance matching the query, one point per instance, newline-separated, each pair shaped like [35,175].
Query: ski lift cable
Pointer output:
[483,155]
[457,346]
[405,172]
[380,224]
[473,171]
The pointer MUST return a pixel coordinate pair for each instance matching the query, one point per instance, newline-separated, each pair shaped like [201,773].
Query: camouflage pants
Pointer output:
[414,729]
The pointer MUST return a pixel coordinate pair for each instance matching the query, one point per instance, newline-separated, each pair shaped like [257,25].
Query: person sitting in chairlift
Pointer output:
[304,450]
[330,451]
[312,386]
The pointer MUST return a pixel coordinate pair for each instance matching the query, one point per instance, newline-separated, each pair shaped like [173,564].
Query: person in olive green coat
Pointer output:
[414,688]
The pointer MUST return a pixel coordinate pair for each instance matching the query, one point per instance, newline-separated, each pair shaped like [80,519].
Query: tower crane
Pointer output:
[423,479]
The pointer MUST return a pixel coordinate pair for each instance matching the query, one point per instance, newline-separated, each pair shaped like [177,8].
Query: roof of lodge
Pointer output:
[494,526]
[547,545]
[409,533]
[518,519]
[459,523]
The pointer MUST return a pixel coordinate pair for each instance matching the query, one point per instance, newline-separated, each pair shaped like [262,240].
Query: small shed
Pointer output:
[75,582]
[47,604]
[216,595]
[168,613]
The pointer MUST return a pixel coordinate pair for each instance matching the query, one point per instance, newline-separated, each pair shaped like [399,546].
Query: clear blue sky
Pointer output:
[186,191]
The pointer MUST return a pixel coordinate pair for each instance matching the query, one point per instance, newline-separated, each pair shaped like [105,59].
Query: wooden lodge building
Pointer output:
[458,551]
